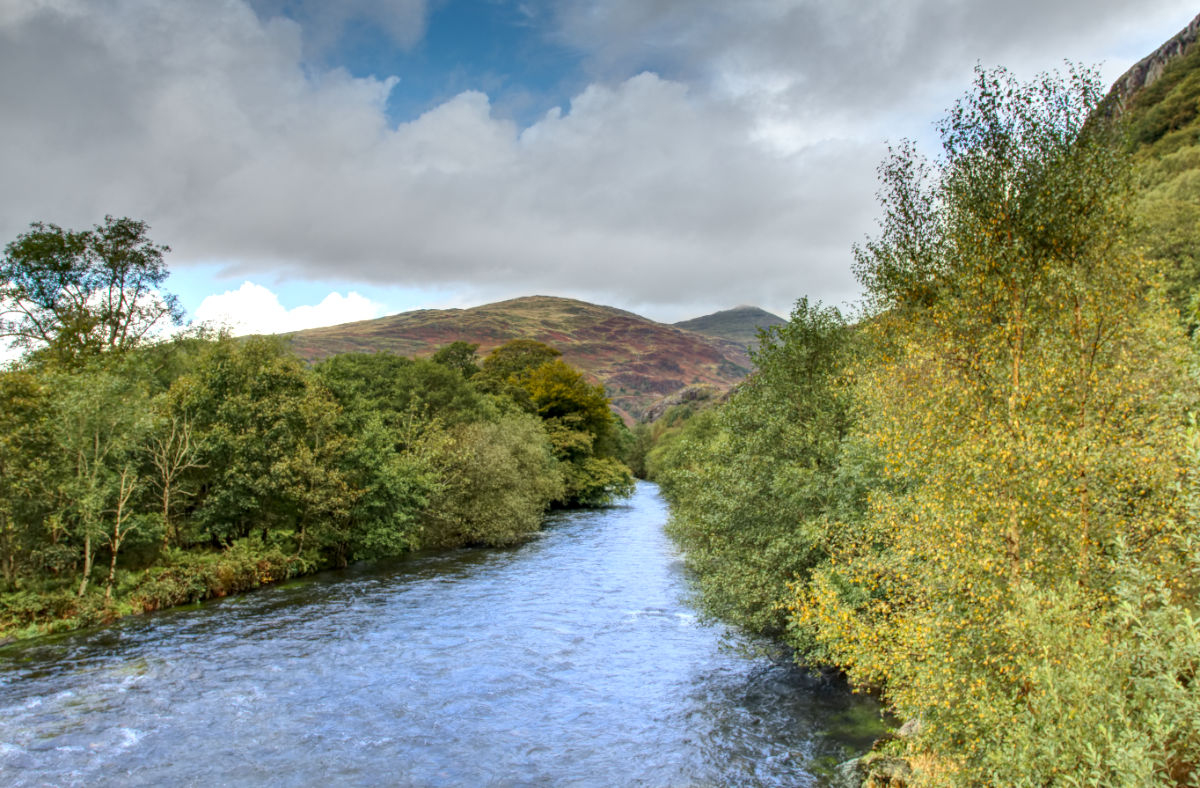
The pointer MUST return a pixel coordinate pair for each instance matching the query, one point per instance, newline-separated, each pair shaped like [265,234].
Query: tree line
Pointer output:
[980,499]
[139,470]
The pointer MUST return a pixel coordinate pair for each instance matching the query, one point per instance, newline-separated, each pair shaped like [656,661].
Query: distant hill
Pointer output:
[739,324]
[637,360]
[1159,99]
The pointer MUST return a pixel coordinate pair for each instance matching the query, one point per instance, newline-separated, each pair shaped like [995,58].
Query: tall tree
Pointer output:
[753,483]
[27,468]
[78,293]
[101,423]
[1025,401]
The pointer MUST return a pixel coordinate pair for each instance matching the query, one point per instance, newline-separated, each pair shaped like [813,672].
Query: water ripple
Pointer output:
[571,660]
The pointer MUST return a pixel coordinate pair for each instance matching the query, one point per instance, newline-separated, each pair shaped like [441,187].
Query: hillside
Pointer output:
[739,324]
[1159,99]
[637,360]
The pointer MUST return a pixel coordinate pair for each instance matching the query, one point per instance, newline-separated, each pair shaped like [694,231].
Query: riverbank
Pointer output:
[572,658]
[183,578]
[203,467]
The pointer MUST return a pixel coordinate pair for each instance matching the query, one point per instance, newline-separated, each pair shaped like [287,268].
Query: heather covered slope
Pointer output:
[637,360]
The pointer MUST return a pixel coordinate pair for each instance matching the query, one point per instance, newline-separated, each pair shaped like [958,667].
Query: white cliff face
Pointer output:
[1147,70]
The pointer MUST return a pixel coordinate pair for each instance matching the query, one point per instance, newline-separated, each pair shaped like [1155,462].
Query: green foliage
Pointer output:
[399,389]
[506,368]
[752,482]
[582,430]
[514,358]
[596,481]
[71,294]
[1163,126]
[460,356]
[987,510]
[194,576]
[101,419]
[497,479]
[267,436]
[26,450]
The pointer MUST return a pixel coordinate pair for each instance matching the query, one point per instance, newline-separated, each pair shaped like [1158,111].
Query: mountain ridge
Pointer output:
[1147,71]
[638,361]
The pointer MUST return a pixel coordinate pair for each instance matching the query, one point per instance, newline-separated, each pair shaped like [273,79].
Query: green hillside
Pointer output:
[1160,99]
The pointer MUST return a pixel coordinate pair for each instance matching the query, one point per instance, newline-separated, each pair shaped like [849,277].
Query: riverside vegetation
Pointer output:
[981,500]
[138,474]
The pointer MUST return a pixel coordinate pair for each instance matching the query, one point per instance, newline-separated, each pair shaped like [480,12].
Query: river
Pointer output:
[573,659]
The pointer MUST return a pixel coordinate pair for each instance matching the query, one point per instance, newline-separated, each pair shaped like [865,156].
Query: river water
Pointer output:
[573,660]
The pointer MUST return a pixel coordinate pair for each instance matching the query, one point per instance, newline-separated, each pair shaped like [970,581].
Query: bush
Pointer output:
[193,577]
[497,481]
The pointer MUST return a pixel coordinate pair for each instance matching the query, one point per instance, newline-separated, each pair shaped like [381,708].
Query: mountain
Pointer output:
[1159,100]
[739,324]
[1151,68]
[637,360]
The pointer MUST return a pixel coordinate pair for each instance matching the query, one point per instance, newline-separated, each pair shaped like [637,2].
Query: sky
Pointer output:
[313,162]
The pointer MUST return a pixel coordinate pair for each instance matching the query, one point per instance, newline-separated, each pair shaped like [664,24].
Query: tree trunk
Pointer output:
[166,498]
[1085,505]
[112,568]
[1012,536]
[87,562]
[10,555]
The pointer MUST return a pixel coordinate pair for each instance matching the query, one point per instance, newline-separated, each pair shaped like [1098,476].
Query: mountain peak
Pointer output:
[739,324]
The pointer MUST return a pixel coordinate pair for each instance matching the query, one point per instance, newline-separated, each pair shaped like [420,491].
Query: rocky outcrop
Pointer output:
[873,771]
[697,394]
[882,767]
[1147,70]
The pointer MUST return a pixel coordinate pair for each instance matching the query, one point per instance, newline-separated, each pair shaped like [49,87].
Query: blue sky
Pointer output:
[314,162]
[504,49]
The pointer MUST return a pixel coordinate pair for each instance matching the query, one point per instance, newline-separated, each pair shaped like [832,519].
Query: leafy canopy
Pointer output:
[79,293]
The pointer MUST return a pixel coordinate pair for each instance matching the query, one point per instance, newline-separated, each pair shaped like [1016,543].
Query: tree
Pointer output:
[27,468]
[172,453]
[78,293]
[124,518]
[753,483]
[575,415]
[496,480]
[460,356]
[392,409]
[266,434]
[504,369]
[1024,399]
[101,424]
[395,388]
[581,428]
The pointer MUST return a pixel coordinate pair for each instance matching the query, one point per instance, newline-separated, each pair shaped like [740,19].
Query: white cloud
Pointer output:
[324,22]
[740,173]
[253,309]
